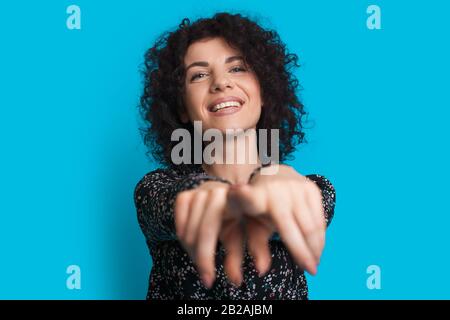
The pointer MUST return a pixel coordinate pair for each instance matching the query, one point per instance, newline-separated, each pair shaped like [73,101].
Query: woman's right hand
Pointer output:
[202,217]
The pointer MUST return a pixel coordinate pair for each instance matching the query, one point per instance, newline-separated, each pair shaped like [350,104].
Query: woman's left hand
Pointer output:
[286,202]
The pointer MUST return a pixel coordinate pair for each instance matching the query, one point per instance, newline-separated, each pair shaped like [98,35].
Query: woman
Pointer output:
[227,230]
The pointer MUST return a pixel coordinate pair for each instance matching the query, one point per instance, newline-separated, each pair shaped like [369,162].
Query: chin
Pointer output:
[232,126]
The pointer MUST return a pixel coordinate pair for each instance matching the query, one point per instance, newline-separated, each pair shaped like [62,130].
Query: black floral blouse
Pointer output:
[174,276]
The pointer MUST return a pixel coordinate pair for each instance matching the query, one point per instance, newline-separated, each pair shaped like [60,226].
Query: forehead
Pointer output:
[209,49]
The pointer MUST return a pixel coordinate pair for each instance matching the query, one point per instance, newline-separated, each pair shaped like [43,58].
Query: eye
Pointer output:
[195,76]
[198,75]
[240,68]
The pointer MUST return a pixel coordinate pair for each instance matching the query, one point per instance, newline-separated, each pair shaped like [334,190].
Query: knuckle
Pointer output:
[277,184]
[189,240]
[310,230]
[178,213]
[201,194]
[206,234]
[218,192]
[281,215]
[217,197]
[295,184]
[182,198]
[313,189]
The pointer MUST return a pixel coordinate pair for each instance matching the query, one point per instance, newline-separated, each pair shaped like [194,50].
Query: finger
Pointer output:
[195,215]
[208,235]
[258,235]
[181,211]
[292,237]
[314,200]
[233,242]
[311,232]
[251,200]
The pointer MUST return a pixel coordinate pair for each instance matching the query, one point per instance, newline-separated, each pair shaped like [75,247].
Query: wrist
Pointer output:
[269,169]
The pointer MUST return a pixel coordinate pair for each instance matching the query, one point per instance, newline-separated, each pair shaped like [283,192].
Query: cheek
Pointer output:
[193,101]
[255,97]
[253,89]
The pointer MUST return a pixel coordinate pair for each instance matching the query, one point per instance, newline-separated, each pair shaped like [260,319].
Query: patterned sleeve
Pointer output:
[328,195]
[154,198]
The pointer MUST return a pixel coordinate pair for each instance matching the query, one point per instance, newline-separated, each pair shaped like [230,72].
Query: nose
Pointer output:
[221,83]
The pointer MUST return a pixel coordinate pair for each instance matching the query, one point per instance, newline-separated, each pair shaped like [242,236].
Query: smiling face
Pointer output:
[215,72]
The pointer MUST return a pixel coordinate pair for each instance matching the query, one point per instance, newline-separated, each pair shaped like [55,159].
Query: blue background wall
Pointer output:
[71,153]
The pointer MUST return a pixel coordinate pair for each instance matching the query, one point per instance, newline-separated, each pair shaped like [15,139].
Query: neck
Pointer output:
[239,156]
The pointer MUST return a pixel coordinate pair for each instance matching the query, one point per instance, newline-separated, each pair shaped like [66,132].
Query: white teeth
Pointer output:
[224,105]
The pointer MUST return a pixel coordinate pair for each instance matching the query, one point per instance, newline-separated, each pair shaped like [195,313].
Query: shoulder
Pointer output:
[152,179]
[163,176]
[156,174]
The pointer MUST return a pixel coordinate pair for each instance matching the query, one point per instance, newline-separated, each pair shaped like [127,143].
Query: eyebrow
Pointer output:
[206,64]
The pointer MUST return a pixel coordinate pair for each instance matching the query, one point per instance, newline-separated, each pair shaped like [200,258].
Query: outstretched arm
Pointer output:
[154,198]
[328,196]
[297,207]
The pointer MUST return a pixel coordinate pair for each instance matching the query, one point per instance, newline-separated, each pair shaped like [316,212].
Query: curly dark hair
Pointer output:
[263,51]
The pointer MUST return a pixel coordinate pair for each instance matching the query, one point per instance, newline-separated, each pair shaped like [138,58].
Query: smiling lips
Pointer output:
[226,106]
